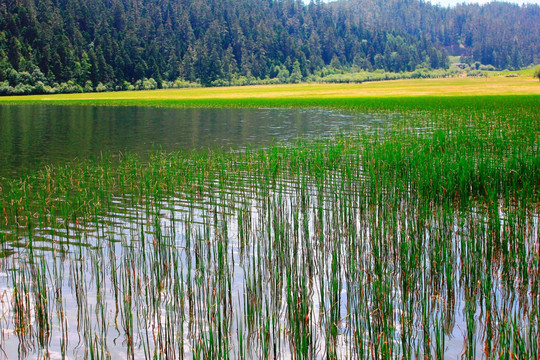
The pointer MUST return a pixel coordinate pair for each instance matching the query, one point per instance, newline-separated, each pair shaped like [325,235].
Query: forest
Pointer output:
[98,45]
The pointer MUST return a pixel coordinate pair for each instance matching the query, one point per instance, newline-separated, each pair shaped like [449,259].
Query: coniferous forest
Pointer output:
[87,45]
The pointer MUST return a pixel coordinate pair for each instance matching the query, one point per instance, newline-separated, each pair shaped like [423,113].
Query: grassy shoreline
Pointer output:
[302,95]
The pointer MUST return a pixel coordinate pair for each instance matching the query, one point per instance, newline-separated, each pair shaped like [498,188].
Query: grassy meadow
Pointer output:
[334,95]
[418,240]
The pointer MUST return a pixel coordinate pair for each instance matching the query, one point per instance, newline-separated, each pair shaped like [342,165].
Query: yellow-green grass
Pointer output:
[311,94]
[523,72]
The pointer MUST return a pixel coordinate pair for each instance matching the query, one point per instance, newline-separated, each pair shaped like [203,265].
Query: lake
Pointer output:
[35,135]
[419,241]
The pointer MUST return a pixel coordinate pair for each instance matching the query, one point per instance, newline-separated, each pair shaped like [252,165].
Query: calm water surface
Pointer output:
[33,135]
[242,267]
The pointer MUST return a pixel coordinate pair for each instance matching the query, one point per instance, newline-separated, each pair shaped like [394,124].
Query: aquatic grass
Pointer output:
[376,245]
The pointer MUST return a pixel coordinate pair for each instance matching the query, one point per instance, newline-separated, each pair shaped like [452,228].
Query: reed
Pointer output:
[419,240]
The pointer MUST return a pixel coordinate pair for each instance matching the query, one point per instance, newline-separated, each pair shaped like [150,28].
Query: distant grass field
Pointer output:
[338,95]
[523,72]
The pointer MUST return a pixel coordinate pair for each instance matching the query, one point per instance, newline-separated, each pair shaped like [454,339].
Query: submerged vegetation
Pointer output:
[419,240]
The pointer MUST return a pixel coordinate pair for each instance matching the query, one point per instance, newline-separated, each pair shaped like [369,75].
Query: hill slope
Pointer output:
[116,41]
[500,34]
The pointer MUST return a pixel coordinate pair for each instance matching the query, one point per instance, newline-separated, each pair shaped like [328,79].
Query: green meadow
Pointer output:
[334,95]
[419,239]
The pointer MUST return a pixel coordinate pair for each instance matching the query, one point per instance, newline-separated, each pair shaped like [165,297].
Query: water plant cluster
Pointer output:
[419,240]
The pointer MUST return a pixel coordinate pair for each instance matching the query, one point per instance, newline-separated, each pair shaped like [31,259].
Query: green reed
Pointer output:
[418,240]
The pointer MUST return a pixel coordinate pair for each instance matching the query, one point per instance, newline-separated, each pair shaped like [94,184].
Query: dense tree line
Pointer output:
[500,34]
[115,44]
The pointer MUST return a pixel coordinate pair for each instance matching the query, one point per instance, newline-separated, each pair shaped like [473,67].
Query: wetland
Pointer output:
[405,228]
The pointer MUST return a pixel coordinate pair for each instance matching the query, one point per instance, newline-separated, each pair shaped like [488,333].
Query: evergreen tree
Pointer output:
[116,41]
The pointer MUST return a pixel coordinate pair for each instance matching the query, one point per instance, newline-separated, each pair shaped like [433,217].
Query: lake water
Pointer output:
[191,258]
[43,134]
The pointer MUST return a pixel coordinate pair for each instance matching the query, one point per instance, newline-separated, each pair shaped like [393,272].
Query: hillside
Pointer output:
[114,43]
[500,34]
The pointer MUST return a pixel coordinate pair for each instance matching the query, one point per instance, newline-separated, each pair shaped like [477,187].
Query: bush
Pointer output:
[487,68]
[476,73]
[344,76]
[23,89]
[101,88]
[88,87]
[69,88]
[5,89]
[536,72]
[146,84]
[180,84]
[41,88]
